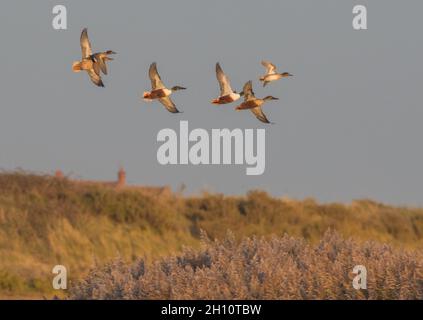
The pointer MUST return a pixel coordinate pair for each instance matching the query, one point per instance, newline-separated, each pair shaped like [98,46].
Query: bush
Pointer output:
[260,268]
[46,221]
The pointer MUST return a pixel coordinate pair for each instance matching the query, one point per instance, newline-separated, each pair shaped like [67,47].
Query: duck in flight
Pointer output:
[227,95]
[271,74]
[254,104]
[159,91]
[95,63]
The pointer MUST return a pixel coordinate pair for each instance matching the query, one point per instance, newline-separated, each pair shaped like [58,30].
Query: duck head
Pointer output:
[268,98]
[176,88]
[107,53]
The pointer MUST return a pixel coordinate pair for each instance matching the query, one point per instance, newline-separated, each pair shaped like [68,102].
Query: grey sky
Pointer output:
[348,125]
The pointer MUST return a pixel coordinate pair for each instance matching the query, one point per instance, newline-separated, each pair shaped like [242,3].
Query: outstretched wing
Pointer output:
[102,64]
[156,82]
[225,86]
[270,67]
[85,44]
[95,78]
[248,91]
[258,112]
[96,68]
[169,105]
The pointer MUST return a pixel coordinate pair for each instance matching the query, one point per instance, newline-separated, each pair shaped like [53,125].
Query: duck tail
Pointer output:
[76,66]
[147,96]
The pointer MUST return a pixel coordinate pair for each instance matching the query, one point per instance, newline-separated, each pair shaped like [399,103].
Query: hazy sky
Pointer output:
[348,125]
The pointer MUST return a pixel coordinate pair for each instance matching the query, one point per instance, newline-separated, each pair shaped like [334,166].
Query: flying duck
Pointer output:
[227,95]
[159,91]
[95,63]
[271,74]
[254,104]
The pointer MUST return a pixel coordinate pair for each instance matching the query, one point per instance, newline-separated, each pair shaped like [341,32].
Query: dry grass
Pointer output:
[46,221]
[260,268]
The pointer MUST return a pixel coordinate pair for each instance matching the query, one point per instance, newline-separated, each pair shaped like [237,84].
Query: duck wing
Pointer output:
[85,44]
[96,68]
[95,78]
[258,112]
[156,81]
[248,91]
[225,86]
[102,64]
[270,67]
[169,105]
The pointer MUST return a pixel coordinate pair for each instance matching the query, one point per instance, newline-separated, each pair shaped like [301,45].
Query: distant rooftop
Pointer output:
[119,183]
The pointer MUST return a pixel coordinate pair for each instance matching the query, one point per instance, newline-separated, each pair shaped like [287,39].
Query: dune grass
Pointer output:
[45,221]
[262,268]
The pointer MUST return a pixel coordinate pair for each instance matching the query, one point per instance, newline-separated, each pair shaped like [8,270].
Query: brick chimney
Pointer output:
[121,178]
[59,174]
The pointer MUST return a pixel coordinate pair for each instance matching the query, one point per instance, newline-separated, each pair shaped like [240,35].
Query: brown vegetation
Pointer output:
[259,268]
[46,221]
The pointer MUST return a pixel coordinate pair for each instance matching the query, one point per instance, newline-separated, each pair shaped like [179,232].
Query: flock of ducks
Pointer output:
[95,64]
